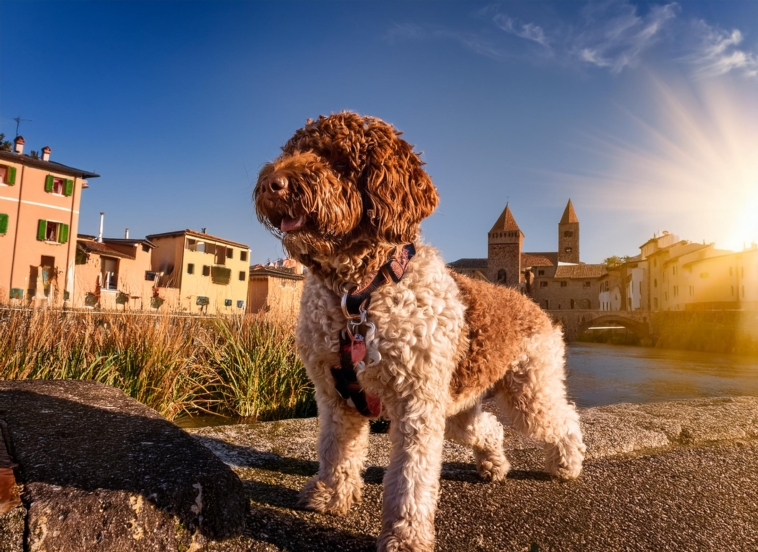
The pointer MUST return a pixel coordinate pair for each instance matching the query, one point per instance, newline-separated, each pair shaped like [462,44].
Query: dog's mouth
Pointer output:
[290,223]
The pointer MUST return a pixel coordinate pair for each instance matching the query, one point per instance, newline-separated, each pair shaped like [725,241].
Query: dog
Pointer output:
[346,197]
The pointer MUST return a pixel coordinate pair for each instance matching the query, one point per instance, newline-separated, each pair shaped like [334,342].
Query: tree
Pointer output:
[615,261]
[5,145]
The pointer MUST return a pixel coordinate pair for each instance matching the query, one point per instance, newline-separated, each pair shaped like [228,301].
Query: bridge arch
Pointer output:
[641,328]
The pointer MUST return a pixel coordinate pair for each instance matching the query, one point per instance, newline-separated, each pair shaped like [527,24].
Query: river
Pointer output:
[600,374]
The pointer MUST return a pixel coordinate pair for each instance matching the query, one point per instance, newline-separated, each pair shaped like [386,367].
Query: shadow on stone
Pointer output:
[99,468]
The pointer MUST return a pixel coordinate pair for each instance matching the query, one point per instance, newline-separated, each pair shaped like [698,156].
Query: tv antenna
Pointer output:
[18,122]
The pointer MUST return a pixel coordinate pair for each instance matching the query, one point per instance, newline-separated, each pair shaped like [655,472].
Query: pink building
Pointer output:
[39,219]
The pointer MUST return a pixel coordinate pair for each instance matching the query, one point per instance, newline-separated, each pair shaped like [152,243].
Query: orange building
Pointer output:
[39,217]
[276,289]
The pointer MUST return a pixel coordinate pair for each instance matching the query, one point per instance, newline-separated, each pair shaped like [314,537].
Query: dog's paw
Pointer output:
[492,467]
[317,496]
[396,541]
[564,460]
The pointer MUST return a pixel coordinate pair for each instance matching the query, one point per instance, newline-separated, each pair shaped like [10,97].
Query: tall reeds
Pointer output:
[240,367]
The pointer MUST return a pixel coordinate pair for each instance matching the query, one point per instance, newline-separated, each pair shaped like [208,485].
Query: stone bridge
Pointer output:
[575,322]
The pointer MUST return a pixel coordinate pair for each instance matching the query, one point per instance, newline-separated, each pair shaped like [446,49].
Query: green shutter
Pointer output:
[3,223]
[11,176]
[63,233]
[41,227]
[69,189]
[49,183]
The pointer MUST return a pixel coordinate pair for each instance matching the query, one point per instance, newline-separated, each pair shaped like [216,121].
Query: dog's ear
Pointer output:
[397,192]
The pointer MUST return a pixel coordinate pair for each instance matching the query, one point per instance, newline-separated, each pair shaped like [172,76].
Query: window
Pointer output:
[543,284]
[145,248]
[587,284]
[564,284]
[150,275]
[50,231]
[220,255]
[568,234]
[655,283]
[240,304]
[732,291]
[221,275]
[227,302]
[572,303]
[59,186]
[3,224]
[109,273]
[229,254]
[547,303]
[655,262]
[540,273]
[501,276]
[673,270]
[655,302]
[190,268]
[242,275]
[206,270]
[191,244]
[243,255]
[7,175]
[568,250]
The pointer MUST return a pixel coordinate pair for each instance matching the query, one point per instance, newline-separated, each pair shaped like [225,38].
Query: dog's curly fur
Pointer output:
[349,190]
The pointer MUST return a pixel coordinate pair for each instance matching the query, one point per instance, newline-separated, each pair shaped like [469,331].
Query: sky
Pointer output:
[644,114]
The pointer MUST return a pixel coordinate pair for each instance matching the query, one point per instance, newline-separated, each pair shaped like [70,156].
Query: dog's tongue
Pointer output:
[289,223]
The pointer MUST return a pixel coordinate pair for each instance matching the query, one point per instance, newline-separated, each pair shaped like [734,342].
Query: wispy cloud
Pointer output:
[719,54]
[528,31]
[474,42]
[614,35]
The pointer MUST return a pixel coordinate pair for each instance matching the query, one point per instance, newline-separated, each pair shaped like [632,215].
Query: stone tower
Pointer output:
[504,244]
[568,236]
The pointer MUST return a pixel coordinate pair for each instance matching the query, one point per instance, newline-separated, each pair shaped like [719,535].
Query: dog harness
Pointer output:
[353,345]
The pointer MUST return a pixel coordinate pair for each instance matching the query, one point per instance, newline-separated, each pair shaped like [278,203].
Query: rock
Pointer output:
[12,512]
[99,469]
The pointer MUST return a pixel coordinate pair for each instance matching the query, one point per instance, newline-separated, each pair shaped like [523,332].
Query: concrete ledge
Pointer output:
[100,470]
[680,475]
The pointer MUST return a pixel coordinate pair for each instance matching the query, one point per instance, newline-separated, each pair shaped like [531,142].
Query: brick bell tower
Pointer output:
[568,236]
[504,245]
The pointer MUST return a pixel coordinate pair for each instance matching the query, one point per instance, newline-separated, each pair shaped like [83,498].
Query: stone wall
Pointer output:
[504,256]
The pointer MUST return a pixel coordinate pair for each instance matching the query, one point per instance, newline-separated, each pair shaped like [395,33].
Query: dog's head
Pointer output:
[342,180]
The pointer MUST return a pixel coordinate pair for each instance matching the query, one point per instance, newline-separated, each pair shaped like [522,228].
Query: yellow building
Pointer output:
[39,216]
[210,273]
[276,289]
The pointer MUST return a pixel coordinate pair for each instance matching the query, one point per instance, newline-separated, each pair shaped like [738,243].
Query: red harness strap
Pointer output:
[353,347]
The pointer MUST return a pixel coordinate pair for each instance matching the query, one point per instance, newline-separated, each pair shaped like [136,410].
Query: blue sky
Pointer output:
[645,114]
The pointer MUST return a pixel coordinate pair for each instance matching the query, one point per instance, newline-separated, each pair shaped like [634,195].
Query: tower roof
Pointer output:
[569,215]
[506,221]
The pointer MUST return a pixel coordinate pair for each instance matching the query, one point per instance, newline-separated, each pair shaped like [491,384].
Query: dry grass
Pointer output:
[241,367]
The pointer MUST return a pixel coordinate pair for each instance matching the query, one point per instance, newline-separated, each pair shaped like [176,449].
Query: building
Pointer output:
[39,215]
[555,280]
[115,273]
[276,288]
[210,273]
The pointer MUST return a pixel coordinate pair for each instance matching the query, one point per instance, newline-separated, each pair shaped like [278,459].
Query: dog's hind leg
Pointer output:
[342,446]
[484,434]
[533,394]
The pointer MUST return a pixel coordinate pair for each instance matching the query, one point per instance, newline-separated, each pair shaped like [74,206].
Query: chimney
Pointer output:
[19,144]
[46,153]
[126,234]
[204,232]
[100,234]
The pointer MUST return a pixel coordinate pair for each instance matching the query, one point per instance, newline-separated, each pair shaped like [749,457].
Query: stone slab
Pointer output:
[681,475]
[100,470]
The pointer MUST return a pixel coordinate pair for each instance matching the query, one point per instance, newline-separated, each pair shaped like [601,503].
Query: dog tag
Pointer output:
[357,348]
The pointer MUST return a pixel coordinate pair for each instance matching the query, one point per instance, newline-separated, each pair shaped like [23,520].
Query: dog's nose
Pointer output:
[276,185]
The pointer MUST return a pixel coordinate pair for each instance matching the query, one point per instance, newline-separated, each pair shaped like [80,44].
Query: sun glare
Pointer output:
[691,167]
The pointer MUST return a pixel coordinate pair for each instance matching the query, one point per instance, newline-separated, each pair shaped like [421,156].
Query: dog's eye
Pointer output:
[341,166]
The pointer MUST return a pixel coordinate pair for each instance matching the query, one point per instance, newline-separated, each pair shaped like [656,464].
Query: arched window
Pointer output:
[501,276]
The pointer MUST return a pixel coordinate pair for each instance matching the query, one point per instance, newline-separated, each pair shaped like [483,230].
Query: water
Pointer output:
[600,374]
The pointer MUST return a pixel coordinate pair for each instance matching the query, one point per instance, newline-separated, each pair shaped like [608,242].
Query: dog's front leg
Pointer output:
[411,484]
[342,445]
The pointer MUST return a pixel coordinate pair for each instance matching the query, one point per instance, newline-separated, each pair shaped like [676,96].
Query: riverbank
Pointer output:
[97,469]
[242,367]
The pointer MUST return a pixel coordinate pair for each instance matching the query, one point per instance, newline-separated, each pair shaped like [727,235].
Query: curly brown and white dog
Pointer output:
[346,197]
